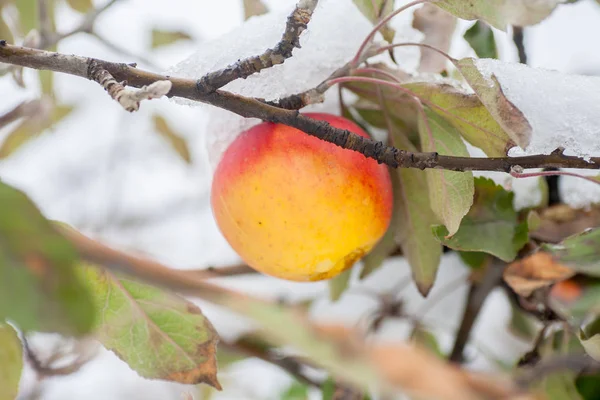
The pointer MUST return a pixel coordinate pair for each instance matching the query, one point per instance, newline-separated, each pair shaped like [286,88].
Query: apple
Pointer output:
[296,207]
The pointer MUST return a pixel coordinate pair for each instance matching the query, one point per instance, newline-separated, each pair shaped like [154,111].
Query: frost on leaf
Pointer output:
[501,13]
[563,110]
[450,193]
[39,290]
[491,94]
[158,334]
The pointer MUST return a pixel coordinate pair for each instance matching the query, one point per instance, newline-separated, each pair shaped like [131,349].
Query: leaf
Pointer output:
[489,91]
[254,7]
[536,271]
[296,391]
[5,31]
[501,13]
[467,114]
[589,336]
[576,299]
[474,259]
[32,127]
[521,324]
[481,38]
[386,245]
[39,290]
[580,252]
[339,284]
[450,193]
[82,6]
[588,386]
[158,334]
[438,27]
[560,386]
[177,142]
[11,362]
[328,388]
[415,218]
[427,340]
[164,37]
[374,10]
[491,225]
[28,14]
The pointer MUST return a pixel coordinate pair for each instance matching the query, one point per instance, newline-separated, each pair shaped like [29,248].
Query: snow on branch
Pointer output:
[254,108]
[296,24]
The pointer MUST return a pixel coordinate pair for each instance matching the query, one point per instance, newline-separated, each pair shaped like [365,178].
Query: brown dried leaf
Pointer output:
[535,272]
[561,221]
[437,25]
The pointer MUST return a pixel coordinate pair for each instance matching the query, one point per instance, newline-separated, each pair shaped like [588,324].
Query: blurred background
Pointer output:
[114,176]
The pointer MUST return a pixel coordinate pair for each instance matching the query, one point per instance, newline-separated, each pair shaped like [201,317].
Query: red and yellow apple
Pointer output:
[296,207]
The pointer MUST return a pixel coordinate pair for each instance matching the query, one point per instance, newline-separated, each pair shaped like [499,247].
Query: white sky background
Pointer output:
[102,169]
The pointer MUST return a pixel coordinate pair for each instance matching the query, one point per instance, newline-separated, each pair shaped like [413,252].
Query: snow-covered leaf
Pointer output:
[481,38]
[11,362]
[501,13]
[450,193]
[563,110]
[467,114]
[492,95]
[374,10]
[491,225]
[438,27]
[39,290]
[158,334]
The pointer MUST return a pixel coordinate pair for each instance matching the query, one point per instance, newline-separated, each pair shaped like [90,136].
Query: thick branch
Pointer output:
[296,24]
[253,108]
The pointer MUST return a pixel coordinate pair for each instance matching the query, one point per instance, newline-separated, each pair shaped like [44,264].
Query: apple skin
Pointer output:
[296,207]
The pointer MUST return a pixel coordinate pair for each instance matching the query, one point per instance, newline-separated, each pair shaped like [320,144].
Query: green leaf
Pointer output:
[588,386]
[254,7]
[500,13]
[39,290]
[374,10]
[177,142]
[581,252]
[328,388]
[11,362]
[375,258]
[560,386]
[164,37]
[158,334]
[491,226]
[521,324]
[339,284]
[82,6]
[589,335]
[450,193]
[489,91]
[427,340]
[33,127]
[474,259]
[28,14]
[481,38]
[414,221]
[467,114]
[296,391]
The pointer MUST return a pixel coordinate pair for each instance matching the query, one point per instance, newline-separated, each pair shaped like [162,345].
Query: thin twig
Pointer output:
[24,109]
[519,40]
[221,272]
[478,293]
[296,24]
[577,363]
[253,108]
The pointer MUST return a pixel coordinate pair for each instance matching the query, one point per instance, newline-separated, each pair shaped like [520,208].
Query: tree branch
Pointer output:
[296,24]
[253,108]
[478,293]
